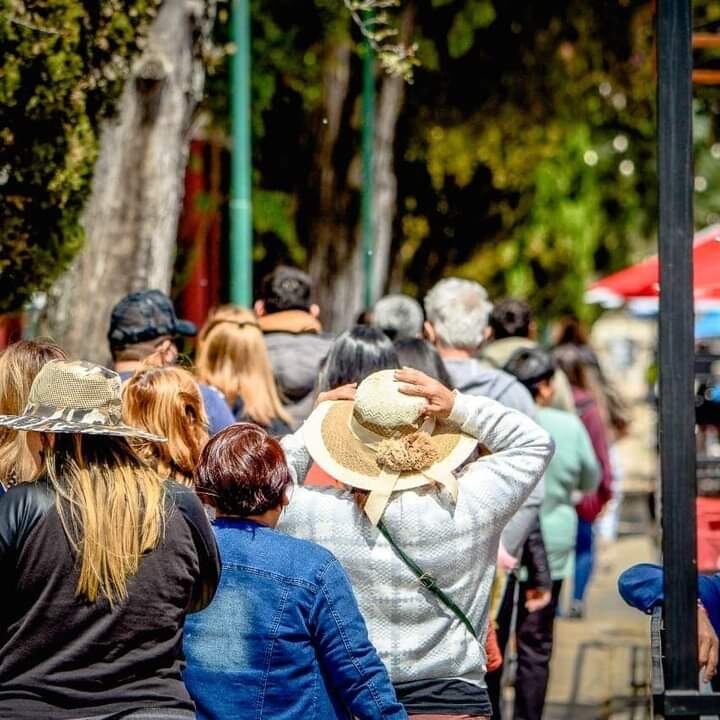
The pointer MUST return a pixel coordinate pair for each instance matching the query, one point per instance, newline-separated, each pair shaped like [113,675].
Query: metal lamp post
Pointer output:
[241,173]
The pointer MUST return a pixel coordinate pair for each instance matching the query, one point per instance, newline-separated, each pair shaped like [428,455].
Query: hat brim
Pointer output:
[36,423]
[187,328]
[337,451]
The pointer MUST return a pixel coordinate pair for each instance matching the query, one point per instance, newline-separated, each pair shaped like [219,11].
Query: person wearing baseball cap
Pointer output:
[144,323]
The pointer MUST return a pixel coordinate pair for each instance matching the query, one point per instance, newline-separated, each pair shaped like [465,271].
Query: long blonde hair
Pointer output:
[167,402]
[19,364]
[232,356]
[110,504]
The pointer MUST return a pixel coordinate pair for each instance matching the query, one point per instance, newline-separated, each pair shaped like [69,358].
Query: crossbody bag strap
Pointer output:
[427,581]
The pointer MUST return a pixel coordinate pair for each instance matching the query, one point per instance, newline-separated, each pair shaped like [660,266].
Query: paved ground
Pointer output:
[609,632]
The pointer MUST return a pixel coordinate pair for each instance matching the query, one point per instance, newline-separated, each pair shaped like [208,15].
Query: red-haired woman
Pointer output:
[284,636]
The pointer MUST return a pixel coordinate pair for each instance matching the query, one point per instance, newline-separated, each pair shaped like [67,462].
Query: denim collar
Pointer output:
[239,523]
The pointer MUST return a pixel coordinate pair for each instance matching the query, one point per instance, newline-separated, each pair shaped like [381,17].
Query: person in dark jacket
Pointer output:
[293,334]
[284,638]
[101,561]
[144,324]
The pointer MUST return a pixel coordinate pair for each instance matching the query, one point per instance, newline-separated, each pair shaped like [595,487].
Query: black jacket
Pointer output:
[534,558]
[64,657]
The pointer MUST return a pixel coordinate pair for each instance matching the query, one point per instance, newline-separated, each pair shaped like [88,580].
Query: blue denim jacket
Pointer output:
[283,638]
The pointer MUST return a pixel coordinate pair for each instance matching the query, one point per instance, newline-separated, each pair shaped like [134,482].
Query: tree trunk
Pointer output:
[392,94]
[335,257]
[336,252]
[131,217]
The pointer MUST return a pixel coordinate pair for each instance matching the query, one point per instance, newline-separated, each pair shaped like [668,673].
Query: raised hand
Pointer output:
[439,400]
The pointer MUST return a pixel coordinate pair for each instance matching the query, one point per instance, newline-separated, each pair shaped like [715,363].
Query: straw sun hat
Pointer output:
[75,397]
[380,442]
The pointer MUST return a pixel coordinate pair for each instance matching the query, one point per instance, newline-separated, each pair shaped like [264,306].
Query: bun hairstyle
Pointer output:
[166,401]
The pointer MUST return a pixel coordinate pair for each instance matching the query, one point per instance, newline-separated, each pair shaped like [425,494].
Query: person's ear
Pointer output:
[315,311]
[488,333]
[259,308]
[167,352]
[430,333]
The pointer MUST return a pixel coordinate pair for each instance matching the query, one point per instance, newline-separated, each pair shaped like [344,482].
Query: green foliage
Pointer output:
[539,152]
[63,65]
[524,154]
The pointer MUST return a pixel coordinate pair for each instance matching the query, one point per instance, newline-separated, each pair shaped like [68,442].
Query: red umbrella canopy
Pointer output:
[642,279]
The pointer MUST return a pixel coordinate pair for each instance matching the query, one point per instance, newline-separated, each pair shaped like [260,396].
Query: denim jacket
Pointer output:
[283,638]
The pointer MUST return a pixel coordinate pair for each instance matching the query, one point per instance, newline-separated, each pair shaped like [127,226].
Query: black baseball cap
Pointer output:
[145,315]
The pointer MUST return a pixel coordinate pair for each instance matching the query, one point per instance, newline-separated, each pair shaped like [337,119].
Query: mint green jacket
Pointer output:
[573,469]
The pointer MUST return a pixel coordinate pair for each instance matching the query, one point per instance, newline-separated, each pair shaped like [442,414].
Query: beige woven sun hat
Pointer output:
[75,397]
[381,442]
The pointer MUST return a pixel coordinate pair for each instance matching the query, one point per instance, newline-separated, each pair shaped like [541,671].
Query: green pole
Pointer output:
[368,136]
[241,184]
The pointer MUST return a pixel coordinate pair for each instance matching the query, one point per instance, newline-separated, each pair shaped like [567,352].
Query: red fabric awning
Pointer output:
[642,279]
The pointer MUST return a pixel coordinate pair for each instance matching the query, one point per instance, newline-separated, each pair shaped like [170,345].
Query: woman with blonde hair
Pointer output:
[19,364]
[101,560]
[166,401]
[232,357]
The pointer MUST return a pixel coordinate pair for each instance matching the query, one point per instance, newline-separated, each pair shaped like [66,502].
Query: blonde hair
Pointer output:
[110,504]
[167,402]
[19,364]
[232,356]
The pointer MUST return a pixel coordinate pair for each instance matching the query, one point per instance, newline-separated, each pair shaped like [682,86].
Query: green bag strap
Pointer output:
[427,581]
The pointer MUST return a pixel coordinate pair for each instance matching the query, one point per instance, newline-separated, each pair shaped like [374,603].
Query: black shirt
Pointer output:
[64,657]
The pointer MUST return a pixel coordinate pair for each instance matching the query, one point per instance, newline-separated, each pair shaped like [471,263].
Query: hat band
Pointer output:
[107,415]
[379,497]
[371,439]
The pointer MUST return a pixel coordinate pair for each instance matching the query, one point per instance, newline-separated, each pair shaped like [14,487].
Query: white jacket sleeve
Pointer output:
[298,458]
[520,449]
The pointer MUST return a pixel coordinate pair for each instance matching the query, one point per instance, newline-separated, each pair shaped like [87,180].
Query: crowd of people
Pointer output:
[295,524]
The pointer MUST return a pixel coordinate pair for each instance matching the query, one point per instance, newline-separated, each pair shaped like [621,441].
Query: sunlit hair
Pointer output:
[242,471]
[19,364]
[110,503]
[167,402]
[232,356]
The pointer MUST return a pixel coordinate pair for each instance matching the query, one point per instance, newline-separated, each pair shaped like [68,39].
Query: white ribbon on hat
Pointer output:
[388,479]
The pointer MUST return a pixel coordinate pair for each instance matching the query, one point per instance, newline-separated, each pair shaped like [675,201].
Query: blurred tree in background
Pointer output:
[521,155]
[63,68]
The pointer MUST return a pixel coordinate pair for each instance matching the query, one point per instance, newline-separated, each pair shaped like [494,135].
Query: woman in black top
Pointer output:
[101,560]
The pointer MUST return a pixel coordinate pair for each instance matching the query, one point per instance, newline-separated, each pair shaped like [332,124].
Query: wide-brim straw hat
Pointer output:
[380,443]
[75,397]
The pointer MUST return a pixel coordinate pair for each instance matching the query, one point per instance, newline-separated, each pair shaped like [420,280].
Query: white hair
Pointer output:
[398,316]
[459,311]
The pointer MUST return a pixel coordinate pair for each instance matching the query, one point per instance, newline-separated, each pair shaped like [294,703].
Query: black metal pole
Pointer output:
[677,407]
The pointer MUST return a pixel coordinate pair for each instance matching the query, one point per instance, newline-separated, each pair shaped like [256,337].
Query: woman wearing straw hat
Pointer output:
[101,560]
[421,553]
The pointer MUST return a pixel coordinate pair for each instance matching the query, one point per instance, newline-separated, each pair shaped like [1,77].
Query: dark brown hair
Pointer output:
[242,471]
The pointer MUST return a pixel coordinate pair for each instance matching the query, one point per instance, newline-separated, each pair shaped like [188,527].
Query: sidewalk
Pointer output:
[608,621]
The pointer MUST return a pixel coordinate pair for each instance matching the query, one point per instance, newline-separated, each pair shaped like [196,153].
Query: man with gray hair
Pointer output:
[457,322]
[458,312]
[399,317]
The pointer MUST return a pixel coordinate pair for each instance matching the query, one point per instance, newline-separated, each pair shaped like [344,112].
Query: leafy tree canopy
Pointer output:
[63,65]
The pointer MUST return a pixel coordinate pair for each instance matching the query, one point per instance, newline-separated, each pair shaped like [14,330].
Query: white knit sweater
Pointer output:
[416,635]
